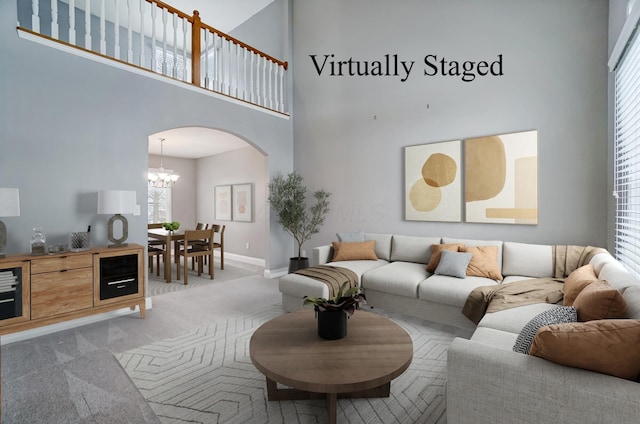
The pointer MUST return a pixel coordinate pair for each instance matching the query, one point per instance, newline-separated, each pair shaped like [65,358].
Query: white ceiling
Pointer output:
[196,142]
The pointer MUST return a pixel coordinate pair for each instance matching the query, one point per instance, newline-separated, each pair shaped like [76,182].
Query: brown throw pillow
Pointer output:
[600,301]
[436,253]
[576,282]
[484,262]
[354,251]
[605,346]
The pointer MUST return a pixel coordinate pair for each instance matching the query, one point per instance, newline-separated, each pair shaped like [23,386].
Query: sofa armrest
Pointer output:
[322,255]
[491,385]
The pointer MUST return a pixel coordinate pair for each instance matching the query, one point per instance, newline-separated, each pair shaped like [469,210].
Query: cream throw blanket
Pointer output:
[487,299]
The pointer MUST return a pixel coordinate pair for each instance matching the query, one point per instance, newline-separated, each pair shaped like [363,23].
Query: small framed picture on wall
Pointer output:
[242,202]
[222,201]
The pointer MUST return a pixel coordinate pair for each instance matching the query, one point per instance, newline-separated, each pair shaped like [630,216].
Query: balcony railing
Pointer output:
[152,35]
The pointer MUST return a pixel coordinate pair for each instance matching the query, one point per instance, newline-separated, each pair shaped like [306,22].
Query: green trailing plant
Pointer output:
[287,196]
[347,300]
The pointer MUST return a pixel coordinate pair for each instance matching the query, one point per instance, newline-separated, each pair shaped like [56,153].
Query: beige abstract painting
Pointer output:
[501,178]
[433,182]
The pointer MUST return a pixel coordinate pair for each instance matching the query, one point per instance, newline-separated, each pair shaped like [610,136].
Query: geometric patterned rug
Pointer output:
[206,376]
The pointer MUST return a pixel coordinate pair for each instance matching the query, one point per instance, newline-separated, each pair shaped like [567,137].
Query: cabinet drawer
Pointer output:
[60,263]
[56,293]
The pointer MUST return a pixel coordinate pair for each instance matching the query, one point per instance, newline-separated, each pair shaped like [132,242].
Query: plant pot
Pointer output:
[332,325]
[298,263]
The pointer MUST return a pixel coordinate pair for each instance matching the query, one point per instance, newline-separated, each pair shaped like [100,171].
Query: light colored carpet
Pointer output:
[157,285]
[206,376]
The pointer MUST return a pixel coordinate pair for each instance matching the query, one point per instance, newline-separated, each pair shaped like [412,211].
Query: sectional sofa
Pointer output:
[487,381]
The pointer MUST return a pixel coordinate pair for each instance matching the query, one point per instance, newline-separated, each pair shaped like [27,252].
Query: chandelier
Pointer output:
[160,177]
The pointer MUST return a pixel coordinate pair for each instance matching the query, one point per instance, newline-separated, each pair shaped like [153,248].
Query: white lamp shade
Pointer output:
[112,202]
[9,202]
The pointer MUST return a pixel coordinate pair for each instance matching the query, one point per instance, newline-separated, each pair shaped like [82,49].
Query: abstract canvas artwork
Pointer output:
[222,197]
[433,182]
[501,178]
[242,202]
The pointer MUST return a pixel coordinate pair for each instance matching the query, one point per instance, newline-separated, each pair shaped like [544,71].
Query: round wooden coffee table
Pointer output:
[288,350]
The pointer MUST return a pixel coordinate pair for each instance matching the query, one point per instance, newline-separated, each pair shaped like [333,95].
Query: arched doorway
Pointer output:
[206,158]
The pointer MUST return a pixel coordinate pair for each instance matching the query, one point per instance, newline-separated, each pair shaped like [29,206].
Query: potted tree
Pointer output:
[287,196]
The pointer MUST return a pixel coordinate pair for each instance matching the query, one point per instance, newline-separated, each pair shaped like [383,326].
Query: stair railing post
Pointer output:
[195,49]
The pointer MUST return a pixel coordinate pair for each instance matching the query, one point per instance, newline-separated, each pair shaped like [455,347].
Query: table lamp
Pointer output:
[117,202]
[9,206]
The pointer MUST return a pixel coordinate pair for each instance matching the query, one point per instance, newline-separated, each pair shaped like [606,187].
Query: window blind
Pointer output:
[627,157]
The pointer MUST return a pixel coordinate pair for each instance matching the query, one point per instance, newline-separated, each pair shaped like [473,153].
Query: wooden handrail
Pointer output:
[172,9]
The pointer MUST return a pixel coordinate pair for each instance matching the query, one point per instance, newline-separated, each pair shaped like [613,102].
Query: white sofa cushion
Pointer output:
[412,249]
[359,267]
[470,242]
[632,296]
[383,244]
[534,260]
[514,278]
[514,319]
[600,260]
[450,290]
[617,276]
[399,278]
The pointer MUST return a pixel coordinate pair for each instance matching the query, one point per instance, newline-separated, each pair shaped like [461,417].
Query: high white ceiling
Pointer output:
[195,142]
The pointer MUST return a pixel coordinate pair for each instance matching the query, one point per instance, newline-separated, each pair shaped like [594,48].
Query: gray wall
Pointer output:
[70,127]
[236,167]
[555,81]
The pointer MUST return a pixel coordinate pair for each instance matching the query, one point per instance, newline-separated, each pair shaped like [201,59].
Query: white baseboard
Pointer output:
[275,273]
[66,325]
[240,258]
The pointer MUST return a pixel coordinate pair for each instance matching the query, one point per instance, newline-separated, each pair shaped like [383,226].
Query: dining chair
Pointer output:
[157,252]
[200,226]
[220,243]
[155,242]
[191,249]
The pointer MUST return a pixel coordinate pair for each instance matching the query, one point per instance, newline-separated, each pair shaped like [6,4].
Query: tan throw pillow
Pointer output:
[605,346]
[576,282]
[484,262]
[436,253]
[600,301]
[354,251]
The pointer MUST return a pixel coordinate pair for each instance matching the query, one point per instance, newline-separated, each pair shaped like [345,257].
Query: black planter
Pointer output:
[298,263]
[332,325]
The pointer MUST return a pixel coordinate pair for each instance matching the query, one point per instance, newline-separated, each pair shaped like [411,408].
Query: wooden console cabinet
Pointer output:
[42,290]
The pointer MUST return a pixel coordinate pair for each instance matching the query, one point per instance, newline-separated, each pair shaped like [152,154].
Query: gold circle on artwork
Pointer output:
[423,197]
[439,170]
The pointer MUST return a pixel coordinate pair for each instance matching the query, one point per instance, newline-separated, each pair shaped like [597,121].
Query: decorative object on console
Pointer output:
[332,313]
[160,177]
[38,239]
[287,196]
[9,206]
[242,202]
[433,182]
[222,197]
[80,241]
[501,178]
[117,203]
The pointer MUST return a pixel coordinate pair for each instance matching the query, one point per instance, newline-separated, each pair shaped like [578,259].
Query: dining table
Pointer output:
[170,238]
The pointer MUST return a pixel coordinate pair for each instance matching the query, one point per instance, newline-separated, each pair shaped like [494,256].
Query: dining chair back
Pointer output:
[194,248]
[154,242]
[219,229]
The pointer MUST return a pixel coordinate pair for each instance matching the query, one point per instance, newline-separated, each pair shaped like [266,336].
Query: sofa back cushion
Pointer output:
[412,249]
[470,242]
[383,244]
[528,260]
[632,296]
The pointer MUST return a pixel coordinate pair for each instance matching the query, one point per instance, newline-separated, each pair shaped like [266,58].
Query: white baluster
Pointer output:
[205,50]
[252,88]
[35,16]
[236,74]
[116,30]
[154,56]
[142,10]
[164,41]
[87,25]
[72,22]
[264,82]
[244,74]
[54,19]
[103,31]
[216,61]
[129,32]
[270,73]
[175,46]
[184,49]
[281,108]
[228,71]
